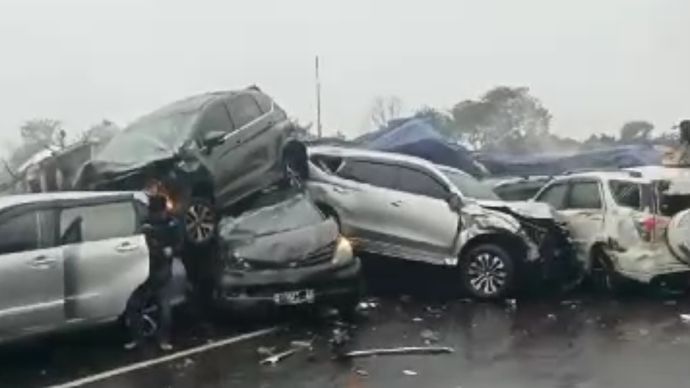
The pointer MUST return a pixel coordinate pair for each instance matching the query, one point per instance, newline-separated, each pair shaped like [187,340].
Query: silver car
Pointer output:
[68,259]
[405,207]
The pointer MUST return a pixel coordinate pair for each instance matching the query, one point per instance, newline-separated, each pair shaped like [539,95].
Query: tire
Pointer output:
[200,222]
[604,277]
[487,272]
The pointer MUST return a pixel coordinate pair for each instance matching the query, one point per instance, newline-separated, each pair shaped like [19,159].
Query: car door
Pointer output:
[251,151]
[423,220]
[106,258]
[365,203]
[31,273]
[580,202]
[215,119]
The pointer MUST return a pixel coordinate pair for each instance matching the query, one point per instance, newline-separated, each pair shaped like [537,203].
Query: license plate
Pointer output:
[294,297]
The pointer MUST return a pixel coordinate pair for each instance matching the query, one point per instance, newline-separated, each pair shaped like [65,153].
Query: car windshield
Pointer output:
[470,187]
[163,133]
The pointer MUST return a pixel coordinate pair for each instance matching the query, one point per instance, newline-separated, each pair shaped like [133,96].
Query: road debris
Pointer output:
[409,372]
[361,372]
[400,351]
[417,319]
[266,351]
[429,336]
[276,358]
[302,344]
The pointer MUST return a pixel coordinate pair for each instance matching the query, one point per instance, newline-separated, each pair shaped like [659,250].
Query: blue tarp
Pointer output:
[417,137]
[553,164]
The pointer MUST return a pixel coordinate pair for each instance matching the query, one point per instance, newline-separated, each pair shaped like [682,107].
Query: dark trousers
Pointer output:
[152,298]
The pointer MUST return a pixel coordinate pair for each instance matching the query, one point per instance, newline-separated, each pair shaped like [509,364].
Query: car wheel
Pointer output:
[604,277]
[200,222]
[487,271]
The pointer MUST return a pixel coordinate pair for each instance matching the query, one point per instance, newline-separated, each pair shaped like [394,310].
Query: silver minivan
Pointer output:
[404,207]
[68,259]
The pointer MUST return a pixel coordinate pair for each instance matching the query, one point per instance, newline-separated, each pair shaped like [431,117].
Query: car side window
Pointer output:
[554,195]
[243,110]
[97,222]
[584,195]
[20,233]
[215,118]
[416,182]
[264,102]
[626,194]
[376,174]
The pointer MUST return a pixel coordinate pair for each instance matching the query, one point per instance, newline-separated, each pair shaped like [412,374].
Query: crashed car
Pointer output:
[627,224]
[205,153]
[63,267]
[404,207]
[284,252]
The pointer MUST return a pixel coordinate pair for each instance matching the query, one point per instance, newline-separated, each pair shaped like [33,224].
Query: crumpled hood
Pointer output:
[537,210]
[287,246]
[132,153]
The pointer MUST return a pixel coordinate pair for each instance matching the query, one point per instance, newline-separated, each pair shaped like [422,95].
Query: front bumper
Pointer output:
[239,290]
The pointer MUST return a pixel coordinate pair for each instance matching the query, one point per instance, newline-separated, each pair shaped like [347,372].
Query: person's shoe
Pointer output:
[165,346]
[131,345]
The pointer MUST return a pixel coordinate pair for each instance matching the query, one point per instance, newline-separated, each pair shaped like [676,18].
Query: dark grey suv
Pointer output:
[204,153]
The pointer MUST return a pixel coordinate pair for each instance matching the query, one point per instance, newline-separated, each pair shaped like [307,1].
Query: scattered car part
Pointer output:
[400,351]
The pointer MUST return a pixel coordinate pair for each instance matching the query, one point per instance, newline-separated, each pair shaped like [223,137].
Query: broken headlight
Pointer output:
[343,252]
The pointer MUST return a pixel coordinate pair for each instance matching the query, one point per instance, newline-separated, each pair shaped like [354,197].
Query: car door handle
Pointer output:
[397,203]
[126,247]
[42,261]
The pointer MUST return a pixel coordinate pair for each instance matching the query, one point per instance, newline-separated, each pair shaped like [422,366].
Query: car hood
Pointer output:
[291,247]
[536,210]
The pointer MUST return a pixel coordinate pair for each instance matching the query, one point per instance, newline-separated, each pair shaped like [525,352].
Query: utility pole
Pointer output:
[318,98]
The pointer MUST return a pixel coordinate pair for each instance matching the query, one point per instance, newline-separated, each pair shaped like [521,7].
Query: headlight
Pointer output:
[343,252]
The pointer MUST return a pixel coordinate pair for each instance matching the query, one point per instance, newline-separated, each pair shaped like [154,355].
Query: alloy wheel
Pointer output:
[487,273]
[200,223]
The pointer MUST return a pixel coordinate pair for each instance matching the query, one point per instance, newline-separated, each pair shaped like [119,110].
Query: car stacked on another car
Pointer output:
[627,224]
[408,208]
[205,153]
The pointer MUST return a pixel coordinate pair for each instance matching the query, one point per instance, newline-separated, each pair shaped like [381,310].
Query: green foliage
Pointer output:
[636,132]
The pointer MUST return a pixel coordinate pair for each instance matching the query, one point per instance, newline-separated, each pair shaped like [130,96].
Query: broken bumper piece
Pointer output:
[319,284]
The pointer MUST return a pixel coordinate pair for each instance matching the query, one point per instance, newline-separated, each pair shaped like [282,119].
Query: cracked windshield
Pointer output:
[344,193]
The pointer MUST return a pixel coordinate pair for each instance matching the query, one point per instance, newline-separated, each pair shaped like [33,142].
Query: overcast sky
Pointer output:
[593,63]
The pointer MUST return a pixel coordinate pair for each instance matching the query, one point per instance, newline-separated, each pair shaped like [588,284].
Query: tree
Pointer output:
[37,135]
[636,131]
[385,109]
[439,120]
[504,118]
[101,132]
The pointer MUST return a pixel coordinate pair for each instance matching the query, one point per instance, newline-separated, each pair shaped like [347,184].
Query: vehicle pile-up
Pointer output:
[271,222]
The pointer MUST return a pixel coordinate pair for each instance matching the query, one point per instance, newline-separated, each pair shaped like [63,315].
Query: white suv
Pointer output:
[620,221]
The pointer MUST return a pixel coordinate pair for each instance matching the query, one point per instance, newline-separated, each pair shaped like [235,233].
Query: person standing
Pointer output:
[163,237]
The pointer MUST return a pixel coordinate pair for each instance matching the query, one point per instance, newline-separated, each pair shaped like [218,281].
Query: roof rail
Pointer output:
[635,174]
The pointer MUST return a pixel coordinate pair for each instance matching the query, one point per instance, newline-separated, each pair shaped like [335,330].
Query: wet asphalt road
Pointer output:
[578,340]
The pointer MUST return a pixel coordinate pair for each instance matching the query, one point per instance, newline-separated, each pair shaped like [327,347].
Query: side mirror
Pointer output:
[213,138]
[455,202]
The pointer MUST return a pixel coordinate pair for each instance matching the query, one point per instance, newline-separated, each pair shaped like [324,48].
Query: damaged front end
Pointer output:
[286,253]
[551,257]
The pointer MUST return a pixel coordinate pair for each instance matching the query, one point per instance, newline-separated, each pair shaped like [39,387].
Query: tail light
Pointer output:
[650,227]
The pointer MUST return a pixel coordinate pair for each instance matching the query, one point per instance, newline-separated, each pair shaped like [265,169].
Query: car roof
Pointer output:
[347,152]
[604,175]
[23,199]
